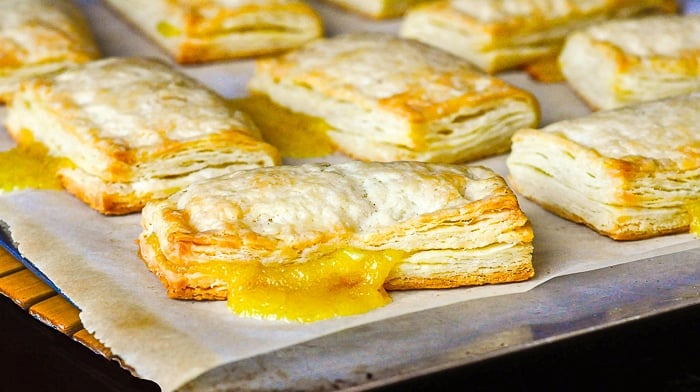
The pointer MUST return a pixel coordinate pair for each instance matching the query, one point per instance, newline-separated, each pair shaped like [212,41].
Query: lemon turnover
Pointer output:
[315,241]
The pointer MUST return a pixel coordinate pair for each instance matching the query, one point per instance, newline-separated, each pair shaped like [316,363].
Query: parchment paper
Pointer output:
[92,259]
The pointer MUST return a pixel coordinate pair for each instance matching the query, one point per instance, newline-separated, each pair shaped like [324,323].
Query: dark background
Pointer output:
[659,353]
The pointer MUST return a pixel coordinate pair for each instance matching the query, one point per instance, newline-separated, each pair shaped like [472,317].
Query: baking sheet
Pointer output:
[92,259]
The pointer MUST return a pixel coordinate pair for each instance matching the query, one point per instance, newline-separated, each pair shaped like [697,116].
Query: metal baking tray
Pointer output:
[429,341]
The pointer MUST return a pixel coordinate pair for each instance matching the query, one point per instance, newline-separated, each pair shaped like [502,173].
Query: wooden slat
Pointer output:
[87,339]
[8,263]
[25,288]
[58,313]
[33,294]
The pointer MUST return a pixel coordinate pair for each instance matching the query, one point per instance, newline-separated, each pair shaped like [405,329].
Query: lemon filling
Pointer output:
[694,211]
[294,134]
[346,282]
[167,30]
[29,166]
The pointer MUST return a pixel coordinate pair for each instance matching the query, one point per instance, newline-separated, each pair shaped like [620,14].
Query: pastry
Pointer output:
[388,98]
[134,130]
[628,173]
[503,34]
[377,9]
[39,37]
[621,62]
[320,232]
[208,30]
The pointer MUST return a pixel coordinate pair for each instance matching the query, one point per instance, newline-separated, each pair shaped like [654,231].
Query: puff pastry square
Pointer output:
[628,173]
[209,30]
[377,9]
[388,98]
[38,37]
[134,129]
[455,225]
[622,62]
[503,34]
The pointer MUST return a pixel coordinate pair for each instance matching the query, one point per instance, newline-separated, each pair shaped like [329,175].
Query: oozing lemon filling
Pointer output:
[694,211]
[167,30]
[29,166]
[295,135]
[345,282]
[348,281]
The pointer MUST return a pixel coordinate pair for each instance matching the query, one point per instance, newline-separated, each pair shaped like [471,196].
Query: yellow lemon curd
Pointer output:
[29,166]
[345,282]
[694,211]
[167,30]
[294,134]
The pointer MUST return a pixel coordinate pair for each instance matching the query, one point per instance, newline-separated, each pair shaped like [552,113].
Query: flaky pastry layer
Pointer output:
[458,225]
[504,34]
[377,9]
[38,37]
[628,173]
[622,62]
[389,99]
[209,30]
[134,129]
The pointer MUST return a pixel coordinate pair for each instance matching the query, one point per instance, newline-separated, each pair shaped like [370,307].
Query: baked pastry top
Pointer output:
[134,129]
[437,225]
[378,9]
[628,173]
[621,62]
[209,30]
[39,37]
[388,98]
[502,34]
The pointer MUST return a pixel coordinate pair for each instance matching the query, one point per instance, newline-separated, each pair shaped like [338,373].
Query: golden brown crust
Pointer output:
[618,232]
[512,273]
[103,202]
[212,31]
[177,285]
